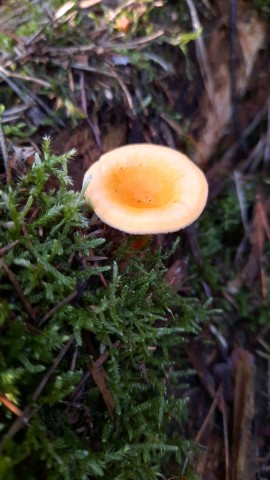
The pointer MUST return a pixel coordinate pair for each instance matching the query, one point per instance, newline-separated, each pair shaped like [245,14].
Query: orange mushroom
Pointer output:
[144,189]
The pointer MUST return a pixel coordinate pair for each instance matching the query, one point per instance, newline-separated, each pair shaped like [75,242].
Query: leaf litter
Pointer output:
[224,110]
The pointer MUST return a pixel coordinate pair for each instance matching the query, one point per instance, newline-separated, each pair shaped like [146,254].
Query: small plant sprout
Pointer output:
[146,189]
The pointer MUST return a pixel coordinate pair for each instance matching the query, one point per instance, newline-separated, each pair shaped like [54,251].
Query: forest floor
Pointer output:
[96,75]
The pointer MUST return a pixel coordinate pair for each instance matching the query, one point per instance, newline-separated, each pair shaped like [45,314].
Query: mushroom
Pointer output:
[145,189]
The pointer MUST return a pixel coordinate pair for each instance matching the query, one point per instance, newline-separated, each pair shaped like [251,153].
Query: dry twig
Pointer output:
[6,249]
[10,405]
[5,154]
[57,307]
[18,289]
[202,57]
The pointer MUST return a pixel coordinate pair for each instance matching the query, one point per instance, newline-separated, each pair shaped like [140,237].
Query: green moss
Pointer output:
[117,425]
[226,250]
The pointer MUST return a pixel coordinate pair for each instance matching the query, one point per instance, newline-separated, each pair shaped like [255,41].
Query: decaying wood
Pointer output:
[243,449]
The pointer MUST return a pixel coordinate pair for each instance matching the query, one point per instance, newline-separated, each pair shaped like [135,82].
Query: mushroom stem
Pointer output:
[141,242]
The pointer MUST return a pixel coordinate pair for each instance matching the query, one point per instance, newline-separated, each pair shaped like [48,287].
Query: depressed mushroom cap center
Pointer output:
[145,188]
[140,186]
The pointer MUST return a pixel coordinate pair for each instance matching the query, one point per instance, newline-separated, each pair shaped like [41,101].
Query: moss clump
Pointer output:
[85,348]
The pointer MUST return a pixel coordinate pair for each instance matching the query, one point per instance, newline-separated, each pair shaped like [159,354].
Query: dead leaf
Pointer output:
[251,38]
[254,266]
[82,139]
[123,24]
[177,273]
[63,10]
[115,137]
[88,3]
[100,378]
[19,158]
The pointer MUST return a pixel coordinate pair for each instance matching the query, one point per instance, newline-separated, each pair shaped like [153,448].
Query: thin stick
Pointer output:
[6,249]
[83,94]
[126,92]
[233,63]
[18,289]
[225,432]
[25,77]
[20,93]
[241,198]
[207,419]
[54,309]
[55,364]
[10,405]
[134,44]
[4,154]
[111,74]
[113,13]
[202,57]
[140,43]
[266,159]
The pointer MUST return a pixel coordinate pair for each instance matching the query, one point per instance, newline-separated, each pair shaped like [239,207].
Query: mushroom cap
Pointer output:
[146,188]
